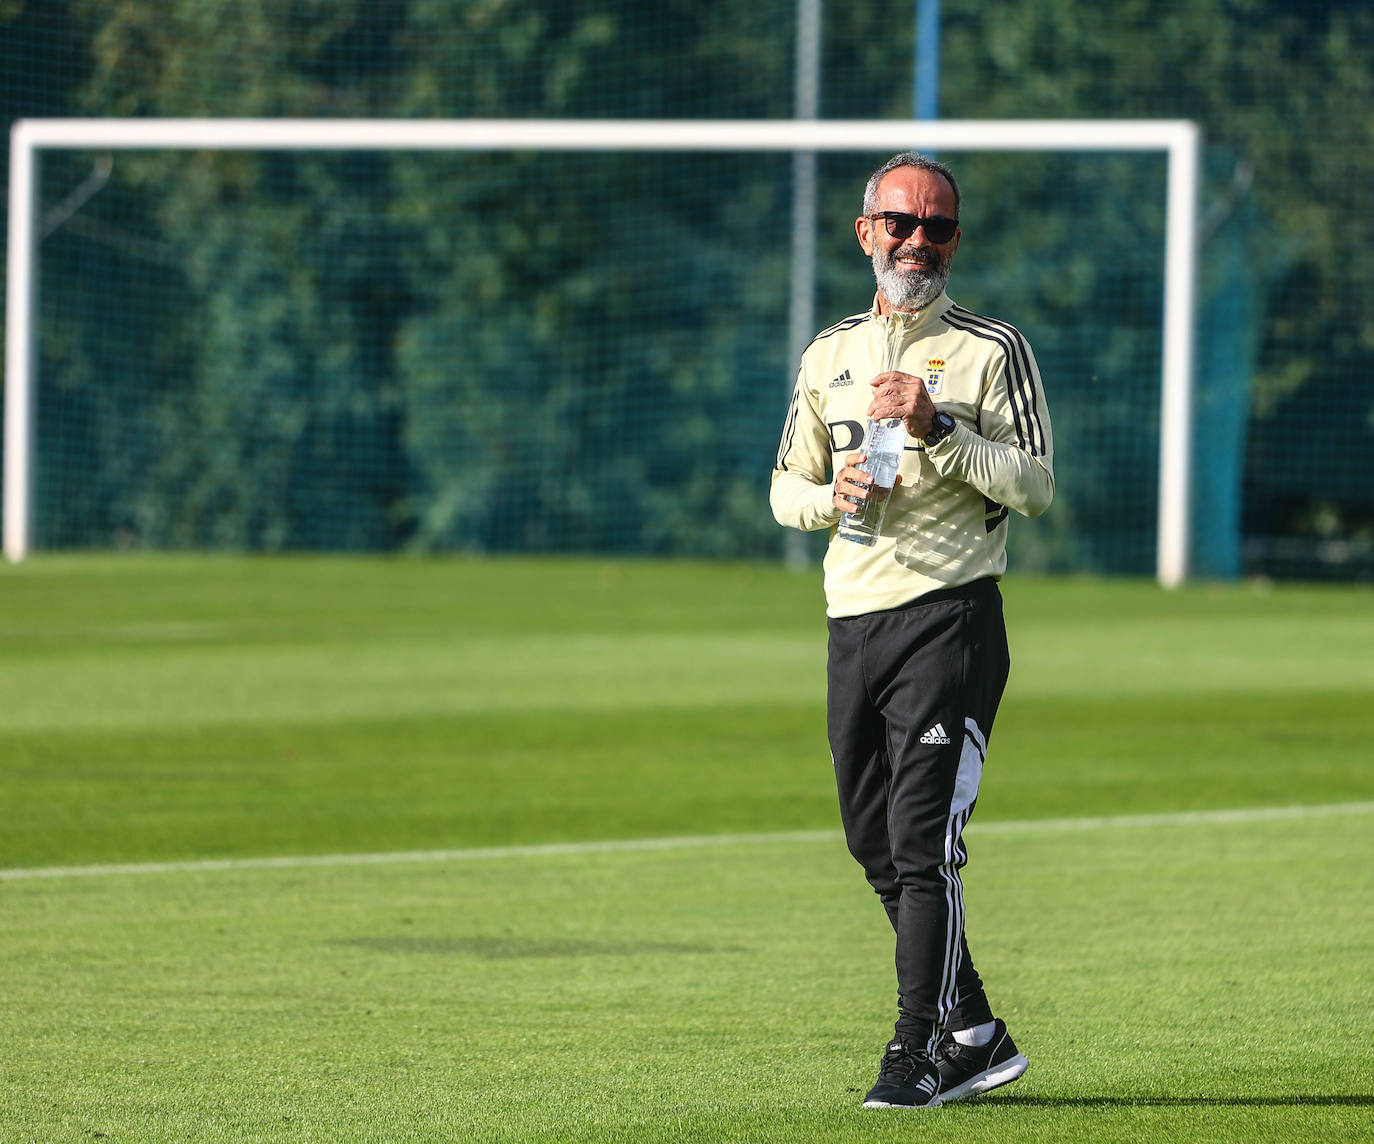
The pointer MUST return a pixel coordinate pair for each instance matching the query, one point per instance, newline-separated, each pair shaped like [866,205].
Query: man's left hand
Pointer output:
[902,395]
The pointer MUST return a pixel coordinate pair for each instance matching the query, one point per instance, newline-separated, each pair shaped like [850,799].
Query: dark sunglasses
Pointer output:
[938,229]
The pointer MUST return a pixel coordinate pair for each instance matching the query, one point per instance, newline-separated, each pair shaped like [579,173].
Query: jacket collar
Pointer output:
[915,319]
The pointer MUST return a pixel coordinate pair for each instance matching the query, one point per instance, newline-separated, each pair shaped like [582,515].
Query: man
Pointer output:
[917,653]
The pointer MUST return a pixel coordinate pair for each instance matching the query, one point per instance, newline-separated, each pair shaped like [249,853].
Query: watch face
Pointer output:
[941,426]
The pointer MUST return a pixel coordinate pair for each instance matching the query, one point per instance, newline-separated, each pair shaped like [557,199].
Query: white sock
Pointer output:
[978,1035]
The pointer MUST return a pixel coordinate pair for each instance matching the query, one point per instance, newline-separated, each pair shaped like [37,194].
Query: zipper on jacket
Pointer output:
[897,326]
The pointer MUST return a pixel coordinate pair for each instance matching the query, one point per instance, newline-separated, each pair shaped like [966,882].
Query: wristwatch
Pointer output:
[941,426]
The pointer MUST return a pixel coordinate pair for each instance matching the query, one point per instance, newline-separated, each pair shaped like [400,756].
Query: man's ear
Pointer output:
[863,227]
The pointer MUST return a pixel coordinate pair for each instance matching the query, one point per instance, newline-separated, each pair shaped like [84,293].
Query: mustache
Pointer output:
[925,254]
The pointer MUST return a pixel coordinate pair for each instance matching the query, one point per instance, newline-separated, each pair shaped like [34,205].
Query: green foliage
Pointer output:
[1285,90]
[339,353]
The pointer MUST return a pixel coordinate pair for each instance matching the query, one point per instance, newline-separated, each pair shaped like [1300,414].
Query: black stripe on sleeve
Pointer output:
[789,428]
[839,327]
[1020,383]
[1030,434]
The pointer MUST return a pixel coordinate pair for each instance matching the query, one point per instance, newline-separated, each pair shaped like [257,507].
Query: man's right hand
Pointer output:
[851,484]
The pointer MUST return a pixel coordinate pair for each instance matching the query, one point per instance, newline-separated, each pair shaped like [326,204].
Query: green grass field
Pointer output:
[699,960]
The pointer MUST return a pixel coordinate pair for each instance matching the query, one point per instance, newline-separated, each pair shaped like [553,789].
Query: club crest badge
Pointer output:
[935,375]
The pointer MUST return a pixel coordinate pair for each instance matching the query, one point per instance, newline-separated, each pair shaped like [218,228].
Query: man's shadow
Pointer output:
[1352,1100]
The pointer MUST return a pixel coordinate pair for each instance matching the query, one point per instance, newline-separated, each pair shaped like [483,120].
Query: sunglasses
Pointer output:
[938,229]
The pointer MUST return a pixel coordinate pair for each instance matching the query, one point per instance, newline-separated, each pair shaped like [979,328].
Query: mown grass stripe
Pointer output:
[683,842]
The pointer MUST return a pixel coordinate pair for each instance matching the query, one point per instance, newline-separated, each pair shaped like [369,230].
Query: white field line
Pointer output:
[1186,818]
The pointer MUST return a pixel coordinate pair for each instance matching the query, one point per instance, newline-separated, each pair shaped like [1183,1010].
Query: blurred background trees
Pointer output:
[587,353]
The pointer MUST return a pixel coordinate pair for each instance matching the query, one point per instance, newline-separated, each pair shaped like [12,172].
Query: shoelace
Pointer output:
[899,1062]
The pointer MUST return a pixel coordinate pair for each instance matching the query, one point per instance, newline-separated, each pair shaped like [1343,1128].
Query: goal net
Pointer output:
[501,336]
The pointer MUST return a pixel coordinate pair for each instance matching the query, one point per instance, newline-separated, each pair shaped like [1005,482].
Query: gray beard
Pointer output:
[908,291]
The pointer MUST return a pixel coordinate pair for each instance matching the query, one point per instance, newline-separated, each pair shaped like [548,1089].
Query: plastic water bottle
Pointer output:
[883,445]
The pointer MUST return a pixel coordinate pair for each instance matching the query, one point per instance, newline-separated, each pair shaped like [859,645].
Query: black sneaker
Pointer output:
[906,1079]
[966,1070]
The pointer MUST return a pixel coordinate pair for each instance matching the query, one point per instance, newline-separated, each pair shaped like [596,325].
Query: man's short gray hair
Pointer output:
[907,159]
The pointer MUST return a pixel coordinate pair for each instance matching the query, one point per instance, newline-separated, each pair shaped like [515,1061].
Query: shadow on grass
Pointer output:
[1352,1100]
[514,948]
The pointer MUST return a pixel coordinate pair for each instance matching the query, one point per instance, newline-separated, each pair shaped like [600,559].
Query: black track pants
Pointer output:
[912,694]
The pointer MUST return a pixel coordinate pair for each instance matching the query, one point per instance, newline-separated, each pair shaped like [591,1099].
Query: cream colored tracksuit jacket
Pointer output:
[946,523]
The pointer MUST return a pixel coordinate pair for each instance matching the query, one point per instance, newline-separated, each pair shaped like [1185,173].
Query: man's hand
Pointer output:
[851,483]
[902,395]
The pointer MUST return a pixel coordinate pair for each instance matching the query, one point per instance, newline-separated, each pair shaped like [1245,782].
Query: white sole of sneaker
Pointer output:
[903,1107]
[1004,1073]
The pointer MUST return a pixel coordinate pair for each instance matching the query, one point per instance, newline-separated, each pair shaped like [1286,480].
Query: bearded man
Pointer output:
[918,657]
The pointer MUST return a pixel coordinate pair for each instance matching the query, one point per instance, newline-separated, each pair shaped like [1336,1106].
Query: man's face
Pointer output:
[910,271]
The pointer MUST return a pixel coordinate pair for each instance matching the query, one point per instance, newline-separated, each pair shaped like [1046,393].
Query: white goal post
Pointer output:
[1179,140]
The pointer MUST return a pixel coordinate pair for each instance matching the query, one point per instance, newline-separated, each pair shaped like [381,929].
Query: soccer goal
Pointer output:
[1172,197]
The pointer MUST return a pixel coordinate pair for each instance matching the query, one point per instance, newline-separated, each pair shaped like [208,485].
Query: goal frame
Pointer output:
[1179,140]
